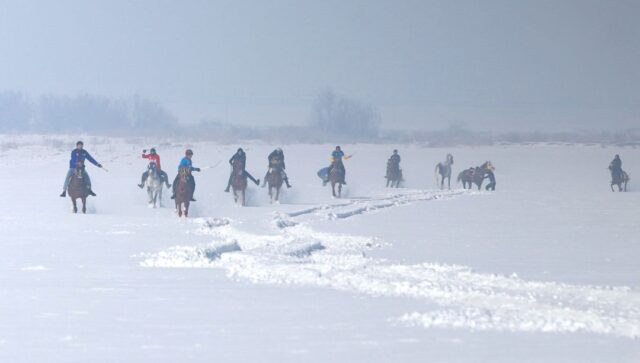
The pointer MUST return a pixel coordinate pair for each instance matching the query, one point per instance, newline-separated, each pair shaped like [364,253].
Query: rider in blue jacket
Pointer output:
[186,163]
[79,155]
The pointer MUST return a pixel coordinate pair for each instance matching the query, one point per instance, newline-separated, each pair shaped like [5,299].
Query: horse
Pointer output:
[78,188]
[239,183]
[336,176]
[476,175]
[394,174]
[154,185]
[274,181]
[444,169]
[620,179]
[184,191]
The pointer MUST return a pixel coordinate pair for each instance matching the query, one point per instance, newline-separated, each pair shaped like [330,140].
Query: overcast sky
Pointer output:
[501,65]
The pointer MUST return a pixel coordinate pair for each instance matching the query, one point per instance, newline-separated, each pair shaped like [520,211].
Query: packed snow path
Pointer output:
[295,253]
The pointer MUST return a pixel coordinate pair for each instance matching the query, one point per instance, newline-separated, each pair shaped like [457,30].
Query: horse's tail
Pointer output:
[459,177]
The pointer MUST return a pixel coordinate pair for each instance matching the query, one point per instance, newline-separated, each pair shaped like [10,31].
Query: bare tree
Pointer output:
[339,115]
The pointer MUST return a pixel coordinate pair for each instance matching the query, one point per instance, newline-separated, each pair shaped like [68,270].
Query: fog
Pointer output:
[496,66]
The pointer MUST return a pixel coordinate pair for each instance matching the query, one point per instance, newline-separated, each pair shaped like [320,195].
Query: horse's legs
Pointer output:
[84,205]
[333,189]
[244,197]
[75,206]
[278,194]
[449,181]
[186,208]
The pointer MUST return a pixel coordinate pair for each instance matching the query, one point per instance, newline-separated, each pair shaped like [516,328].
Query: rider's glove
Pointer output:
[144,151]
[99,165]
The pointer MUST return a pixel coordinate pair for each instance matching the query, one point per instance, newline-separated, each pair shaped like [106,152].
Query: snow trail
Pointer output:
[295,253]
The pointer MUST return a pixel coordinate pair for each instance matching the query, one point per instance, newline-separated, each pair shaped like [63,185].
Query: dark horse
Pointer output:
[477,175]
[184,191]
[78,188]
[394,174]
[444,169]
[274,181]
[154,185]
[336,176]
[239,183]
[620,178]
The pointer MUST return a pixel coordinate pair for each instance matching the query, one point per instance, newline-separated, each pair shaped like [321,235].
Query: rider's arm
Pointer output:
[91,159]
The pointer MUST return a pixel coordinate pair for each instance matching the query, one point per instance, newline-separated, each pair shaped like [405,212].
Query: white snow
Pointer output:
[543,269]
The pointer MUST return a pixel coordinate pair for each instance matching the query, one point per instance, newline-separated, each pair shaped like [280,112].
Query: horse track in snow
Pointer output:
[295,253]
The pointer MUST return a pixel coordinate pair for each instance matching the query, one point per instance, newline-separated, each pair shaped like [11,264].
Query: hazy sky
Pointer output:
[424,64]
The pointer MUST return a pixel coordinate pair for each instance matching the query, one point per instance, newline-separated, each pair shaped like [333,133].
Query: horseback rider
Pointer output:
[240,158]
[154,158]
[78,156]
[186,163]
[336,161]
[276,162]
[394,160]
[616,167]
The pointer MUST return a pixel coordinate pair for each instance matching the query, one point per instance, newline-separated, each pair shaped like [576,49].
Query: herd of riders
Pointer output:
[275,161]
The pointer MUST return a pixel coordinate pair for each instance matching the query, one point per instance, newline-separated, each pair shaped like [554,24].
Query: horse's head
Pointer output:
[153,167]
[449,159]
[79,167]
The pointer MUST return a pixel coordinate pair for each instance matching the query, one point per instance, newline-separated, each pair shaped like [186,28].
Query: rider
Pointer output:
[276,161]
[186,163]
[336,160]
[395,159]
[616,166]
[240,157]
[154,158]
[79,154]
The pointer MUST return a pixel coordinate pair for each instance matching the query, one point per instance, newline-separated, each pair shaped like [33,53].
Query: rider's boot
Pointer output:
[286,181]
[264,182]
[140,186]
[258,182]
[91,193]
[193,199]
[167,184]
[64,193]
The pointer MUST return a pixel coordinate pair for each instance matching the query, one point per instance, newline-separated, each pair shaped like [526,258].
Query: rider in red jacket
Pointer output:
[154,158]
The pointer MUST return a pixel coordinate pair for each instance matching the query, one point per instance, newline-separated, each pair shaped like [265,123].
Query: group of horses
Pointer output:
[467,177]
[336,176]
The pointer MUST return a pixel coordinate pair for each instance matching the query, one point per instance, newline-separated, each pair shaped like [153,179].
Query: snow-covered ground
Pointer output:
[544,269]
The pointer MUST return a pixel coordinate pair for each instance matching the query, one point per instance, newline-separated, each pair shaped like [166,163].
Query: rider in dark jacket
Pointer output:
[276,162]
[79,155]
[240,157]
[616,166]
[395,158]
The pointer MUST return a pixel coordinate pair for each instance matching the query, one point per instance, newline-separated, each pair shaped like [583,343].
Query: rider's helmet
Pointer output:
[617,156]
[240,151]
[153,150]
[279,149]
[395,151]
[79,143]
[188,152]
[338,148]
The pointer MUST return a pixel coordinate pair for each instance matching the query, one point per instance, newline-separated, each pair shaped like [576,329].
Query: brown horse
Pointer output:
[394,174]
[239,183]
[336,176]
[475,175]
[274,181]
[78,188]
[184,191]
[621,179]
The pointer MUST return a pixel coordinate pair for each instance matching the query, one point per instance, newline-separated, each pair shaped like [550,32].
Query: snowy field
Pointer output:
[545,269]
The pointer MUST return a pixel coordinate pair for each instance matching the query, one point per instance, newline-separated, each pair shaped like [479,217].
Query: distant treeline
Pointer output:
[333,118]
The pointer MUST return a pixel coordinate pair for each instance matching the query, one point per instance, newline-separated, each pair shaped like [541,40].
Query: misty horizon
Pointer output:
[497,66]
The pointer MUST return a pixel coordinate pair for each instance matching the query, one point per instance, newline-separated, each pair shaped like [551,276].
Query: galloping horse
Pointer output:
[184,191]
[620,179]
[239,183]
[275,180]
[476,175]
[444,169]
[336,176]
[394,174]
[154,185]
[78,188]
